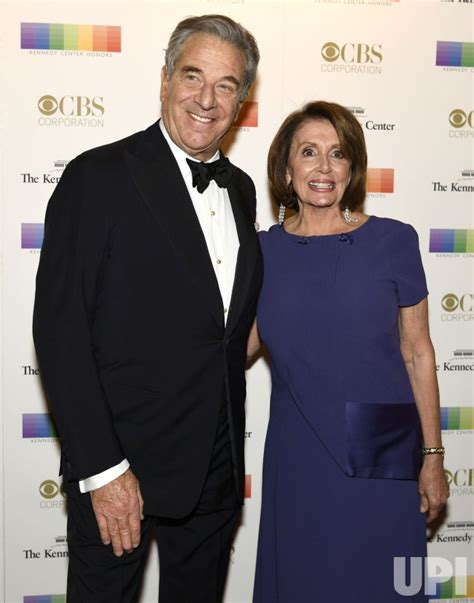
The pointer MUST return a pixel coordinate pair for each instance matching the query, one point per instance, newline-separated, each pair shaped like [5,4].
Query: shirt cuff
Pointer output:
[105,477]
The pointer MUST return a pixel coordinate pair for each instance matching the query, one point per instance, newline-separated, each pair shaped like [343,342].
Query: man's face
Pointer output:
[201,99]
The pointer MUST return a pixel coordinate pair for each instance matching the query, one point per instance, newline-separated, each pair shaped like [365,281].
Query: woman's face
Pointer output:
[317,168]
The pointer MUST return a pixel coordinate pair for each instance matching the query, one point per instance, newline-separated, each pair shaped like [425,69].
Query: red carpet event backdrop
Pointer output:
[80,74]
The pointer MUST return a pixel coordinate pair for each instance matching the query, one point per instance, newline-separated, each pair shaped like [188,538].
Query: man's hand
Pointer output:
[118,508]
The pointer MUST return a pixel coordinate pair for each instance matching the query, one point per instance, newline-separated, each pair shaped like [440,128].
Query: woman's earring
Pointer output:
[281,214]
[347,217]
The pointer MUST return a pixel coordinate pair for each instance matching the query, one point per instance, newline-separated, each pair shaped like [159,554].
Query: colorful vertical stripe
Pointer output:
[451,240]
[38,425]
[380,180]
[455,54]
[248,486]
[32,235]
[457,417]
[248,116]
[447,590]
[45,599]
[63,36]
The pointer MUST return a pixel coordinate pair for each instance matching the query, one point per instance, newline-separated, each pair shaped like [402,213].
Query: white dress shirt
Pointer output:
[214,212]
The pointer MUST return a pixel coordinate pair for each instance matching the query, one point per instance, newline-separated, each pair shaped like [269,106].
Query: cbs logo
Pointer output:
[461,477]
[69,106]
[50,489]
[352,53]
[451,302]
[459,118]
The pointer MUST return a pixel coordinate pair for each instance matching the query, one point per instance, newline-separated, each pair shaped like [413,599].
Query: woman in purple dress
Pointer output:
[353,463]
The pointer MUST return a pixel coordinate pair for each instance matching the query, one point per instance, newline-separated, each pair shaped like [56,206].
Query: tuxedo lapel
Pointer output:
[159,180]
[247,255]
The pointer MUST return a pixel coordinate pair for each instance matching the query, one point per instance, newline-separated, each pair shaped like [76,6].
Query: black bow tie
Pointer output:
[203,173]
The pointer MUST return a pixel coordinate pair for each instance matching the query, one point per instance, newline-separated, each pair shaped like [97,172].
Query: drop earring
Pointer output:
[347,217]
[281,214]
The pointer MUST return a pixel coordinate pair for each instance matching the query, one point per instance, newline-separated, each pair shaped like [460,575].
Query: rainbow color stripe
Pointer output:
[455,54]
[62,36]
[45,599]
[380,180]
[457,417]
[38,425]
[447,590]
[32,235]
[451,240]
[248,116]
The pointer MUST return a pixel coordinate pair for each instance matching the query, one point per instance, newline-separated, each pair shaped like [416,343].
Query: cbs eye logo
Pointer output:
[49,489]
[352,53]
[459,118]
[330,52]
[451,302]
[47,105]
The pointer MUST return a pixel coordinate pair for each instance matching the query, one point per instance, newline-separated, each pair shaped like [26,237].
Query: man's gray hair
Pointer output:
[223,28]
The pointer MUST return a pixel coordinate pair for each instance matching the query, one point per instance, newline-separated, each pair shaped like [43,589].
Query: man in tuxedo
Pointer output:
[146,291]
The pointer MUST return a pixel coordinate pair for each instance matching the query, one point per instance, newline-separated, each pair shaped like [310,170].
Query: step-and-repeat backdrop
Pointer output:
[79,74]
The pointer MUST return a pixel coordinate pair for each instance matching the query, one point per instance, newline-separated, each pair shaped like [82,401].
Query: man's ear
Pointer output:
[237,110]
[164,82]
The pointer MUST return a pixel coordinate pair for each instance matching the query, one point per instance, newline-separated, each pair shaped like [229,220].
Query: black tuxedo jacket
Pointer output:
[128,321]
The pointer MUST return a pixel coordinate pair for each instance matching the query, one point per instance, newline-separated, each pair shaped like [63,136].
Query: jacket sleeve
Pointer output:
[72,261]
[250,194]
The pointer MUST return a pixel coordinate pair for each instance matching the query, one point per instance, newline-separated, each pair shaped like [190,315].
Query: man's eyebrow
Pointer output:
[231,78]
[192,69]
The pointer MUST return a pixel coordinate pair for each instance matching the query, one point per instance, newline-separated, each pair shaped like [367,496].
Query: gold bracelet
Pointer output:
[435,450]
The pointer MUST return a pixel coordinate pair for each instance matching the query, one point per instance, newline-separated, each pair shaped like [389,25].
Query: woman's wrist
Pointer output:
[433,460]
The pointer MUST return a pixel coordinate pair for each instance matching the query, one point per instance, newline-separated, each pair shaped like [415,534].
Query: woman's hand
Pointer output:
[433,486]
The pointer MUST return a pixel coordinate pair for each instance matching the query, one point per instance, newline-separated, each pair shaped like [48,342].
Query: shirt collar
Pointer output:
[180,155]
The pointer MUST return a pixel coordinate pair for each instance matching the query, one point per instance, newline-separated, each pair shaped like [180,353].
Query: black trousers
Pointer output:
[193,551]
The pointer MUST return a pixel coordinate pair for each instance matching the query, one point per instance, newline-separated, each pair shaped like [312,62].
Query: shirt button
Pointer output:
[213,213]
[225,310]
[219,262]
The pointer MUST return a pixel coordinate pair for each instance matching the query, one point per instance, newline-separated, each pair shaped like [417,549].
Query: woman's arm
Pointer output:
[419,357]
[254,343]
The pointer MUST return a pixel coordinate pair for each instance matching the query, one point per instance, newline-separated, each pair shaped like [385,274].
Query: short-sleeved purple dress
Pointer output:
[343,447]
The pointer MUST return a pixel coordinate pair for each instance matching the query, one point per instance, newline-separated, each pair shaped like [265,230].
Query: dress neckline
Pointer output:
[337,234]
